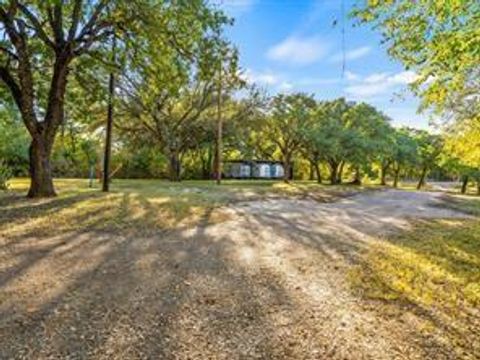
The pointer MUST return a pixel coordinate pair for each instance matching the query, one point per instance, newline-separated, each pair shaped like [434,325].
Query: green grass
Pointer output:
[432,270]
[140,206]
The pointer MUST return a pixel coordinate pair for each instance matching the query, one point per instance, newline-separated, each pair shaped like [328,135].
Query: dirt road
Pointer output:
[269,283]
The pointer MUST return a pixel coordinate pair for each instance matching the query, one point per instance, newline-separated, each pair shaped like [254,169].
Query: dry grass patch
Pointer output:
[140,206]
[432,272]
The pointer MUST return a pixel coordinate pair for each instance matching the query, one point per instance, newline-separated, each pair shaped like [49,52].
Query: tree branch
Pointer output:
[77,7]
[15,90]
[92,21]
[9,52]
[36,24]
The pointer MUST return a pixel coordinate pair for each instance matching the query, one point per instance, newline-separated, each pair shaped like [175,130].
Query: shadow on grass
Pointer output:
[433,272]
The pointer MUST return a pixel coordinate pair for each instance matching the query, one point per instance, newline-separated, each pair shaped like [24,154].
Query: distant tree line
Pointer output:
[333,141]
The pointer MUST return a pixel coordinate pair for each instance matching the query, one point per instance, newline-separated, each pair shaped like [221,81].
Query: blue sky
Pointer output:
[292,45]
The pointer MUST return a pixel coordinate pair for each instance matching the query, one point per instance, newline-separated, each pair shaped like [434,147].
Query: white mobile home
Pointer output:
[260,169]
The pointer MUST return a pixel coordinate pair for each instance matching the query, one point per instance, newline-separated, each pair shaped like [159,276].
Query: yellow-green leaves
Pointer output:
[439,39]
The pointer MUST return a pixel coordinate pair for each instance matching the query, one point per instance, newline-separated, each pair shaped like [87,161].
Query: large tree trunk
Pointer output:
[41,180]
[464,184]
[43,133]
[395,177]
[421,182]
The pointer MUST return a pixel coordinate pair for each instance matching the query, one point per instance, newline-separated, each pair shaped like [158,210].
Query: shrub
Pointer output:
[5,175]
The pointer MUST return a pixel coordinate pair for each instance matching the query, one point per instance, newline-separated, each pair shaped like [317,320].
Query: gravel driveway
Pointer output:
[268,283]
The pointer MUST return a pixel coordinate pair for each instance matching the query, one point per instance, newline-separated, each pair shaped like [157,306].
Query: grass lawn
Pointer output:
[432,271]
[140,205]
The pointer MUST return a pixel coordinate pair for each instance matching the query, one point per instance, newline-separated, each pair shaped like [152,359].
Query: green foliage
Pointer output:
[289,119]
[429,148]
[13,142]
[436,39]
[5,175]
[328,134]
[48,43]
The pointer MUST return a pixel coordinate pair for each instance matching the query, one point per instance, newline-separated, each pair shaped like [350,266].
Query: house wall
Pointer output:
[246,170]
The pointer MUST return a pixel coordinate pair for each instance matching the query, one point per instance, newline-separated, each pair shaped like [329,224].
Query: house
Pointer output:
[256,169]
[238,169]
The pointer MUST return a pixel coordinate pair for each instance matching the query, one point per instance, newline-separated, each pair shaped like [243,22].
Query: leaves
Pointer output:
[437,39]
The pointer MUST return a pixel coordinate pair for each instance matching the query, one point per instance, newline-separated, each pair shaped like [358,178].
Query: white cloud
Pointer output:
[354,54]
[378,84]
[318,81]
[350,76]
[298,50]
[262,78]
[404,77]
[273,81]
[366,90]
[376,78]
[408,116]
[285,86]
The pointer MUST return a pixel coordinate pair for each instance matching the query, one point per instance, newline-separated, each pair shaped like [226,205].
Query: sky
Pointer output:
[293,46]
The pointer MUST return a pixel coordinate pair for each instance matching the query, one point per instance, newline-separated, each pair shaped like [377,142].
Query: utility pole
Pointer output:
[218,164]
[108,135]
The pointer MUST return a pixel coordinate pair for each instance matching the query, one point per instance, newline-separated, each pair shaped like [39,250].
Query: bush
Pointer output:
[5,175]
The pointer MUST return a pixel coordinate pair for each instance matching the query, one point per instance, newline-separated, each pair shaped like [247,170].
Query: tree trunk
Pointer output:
[333,172]
[383,174]
[286,167]
[357,178]
[464,184]
[286,171]
[174,166]
[319,174]
[395,178]
[41,184]
[108,135]
[311,176]
[218,167]
[421,182]
[340,172]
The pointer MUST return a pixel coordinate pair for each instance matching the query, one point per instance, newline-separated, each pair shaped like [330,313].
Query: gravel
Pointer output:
[270,282]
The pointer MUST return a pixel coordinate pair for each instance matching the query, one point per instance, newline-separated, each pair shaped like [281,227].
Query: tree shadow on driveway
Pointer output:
[267,282]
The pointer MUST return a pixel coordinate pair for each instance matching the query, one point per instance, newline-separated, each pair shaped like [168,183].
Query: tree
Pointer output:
[41,41]
[429,148]
[327,137]
[286,124]
[438,40]
[171,121]
[404,152]
[462,144]
[367,131]
[44,41]
[170,101]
